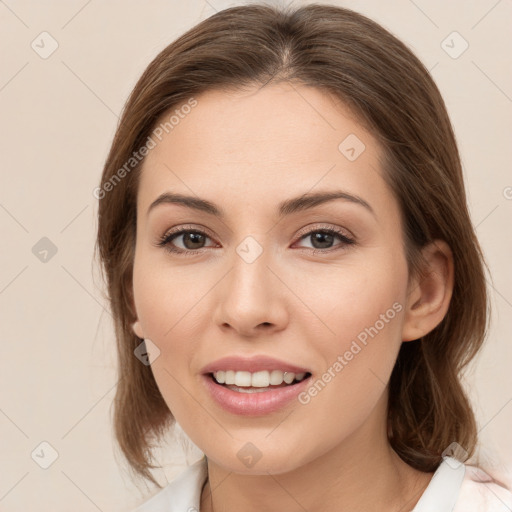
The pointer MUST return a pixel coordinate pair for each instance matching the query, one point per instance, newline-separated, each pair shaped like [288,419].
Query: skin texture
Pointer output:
[246,152]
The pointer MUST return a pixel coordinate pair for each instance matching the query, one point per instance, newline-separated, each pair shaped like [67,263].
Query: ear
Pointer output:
[137,329]
[128,290]
[429,293]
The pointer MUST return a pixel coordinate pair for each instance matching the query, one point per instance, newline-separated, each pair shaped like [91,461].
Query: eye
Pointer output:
[188,241]
[323,239]
[191,240]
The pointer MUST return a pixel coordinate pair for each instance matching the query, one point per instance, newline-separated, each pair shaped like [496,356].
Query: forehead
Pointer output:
[267,144]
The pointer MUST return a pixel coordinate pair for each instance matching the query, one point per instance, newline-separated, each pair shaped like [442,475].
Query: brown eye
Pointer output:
[192,239]
[324,239]
[184,241]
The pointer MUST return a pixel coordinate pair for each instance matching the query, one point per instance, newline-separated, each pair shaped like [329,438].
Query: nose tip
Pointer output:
[250,299]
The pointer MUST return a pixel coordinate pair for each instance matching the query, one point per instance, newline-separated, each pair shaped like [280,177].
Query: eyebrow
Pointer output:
[287,207]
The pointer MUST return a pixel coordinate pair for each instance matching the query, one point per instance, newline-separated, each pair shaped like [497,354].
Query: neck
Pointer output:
[357,475]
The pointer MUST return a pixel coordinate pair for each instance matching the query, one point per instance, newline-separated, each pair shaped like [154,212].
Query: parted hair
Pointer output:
[392,94]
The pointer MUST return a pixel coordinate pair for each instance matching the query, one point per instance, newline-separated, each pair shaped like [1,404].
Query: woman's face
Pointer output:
[261,279]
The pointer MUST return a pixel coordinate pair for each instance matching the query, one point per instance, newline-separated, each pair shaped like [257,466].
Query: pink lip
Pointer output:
[253,404]
[251,364]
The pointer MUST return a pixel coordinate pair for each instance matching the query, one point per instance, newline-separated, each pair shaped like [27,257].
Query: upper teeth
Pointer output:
[260,379]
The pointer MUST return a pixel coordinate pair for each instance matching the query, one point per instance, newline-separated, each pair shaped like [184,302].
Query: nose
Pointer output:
[251,299]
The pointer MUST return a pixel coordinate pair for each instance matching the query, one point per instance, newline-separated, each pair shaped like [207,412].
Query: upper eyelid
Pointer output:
[180,230]
[316,226]
[326,227]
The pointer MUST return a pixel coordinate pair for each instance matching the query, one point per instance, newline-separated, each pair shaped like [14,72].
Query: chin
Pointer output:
[249,460]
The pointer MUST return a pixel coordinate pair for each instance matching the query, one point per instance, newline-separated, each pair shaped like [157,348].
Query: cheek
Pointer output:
[164,303]
[361,310]
[166,298]
[349,299]
[161,301]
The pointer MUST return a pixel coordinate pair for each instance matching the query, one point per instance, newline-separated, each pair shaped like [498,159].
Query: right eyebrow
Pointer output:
[195,203]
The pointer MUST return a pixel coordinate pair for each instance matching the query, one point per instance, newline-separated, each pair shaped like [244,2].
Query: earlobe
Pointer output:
[137,329]
[430,293]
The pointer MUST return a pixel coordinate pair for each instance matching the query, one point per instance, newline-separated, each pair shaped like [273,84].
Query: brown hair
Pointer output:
[390,91]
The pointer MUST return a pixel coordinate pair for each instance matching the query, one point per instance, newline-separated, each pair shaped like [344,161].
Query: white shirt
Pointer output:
[455,487]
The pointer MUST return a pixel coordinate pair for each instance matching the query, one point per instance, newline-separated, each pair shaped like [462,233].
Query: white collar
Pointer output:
[443,490]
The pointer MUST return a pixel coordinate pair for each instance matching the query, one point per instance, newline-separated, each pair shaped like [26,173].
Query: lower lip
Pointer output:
[254,404]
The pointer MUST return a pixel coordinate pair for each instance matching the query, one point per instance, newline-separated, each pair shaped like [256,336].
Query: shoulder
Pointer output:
[183,494]
[480,493]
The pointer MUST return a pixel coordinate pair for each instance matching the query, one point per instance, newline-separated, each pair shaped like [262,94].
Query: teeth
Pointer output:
[276,377]
[289,377]
[243,379]
[260,379]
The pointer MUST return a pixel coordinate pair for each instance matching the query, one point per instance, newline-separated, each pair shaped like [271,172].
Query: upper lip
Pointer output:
[252,364]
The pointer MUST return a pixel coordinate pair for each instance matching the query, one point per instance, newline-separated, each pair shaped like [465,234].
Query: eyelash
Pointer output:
[166,239]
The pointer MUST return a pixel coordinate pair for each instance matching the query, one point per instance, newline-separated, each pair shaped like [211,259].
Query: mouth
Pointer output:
[257,382]
[254,386]
[252,394]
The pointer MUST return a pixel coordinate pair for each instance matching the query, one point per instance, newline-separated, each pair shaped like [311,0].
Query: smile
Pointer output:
[244,400]
[261,379]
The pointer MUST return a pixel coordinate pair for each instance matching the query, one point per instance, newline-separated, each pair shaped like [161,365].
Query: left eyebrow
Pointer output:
[287,207]
[307,201]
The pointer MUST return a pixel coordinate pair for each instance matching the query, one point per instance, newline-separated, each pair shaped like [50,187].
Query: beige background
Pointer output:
[59,114]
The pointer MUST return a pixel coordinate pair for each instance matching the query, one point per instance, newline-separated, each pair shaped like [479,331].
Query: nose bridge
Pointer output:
[249,281]
[250,295]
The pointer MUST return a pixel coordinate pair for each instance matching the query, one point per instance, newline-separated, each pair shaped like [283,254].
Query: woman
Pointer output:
[293,272]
